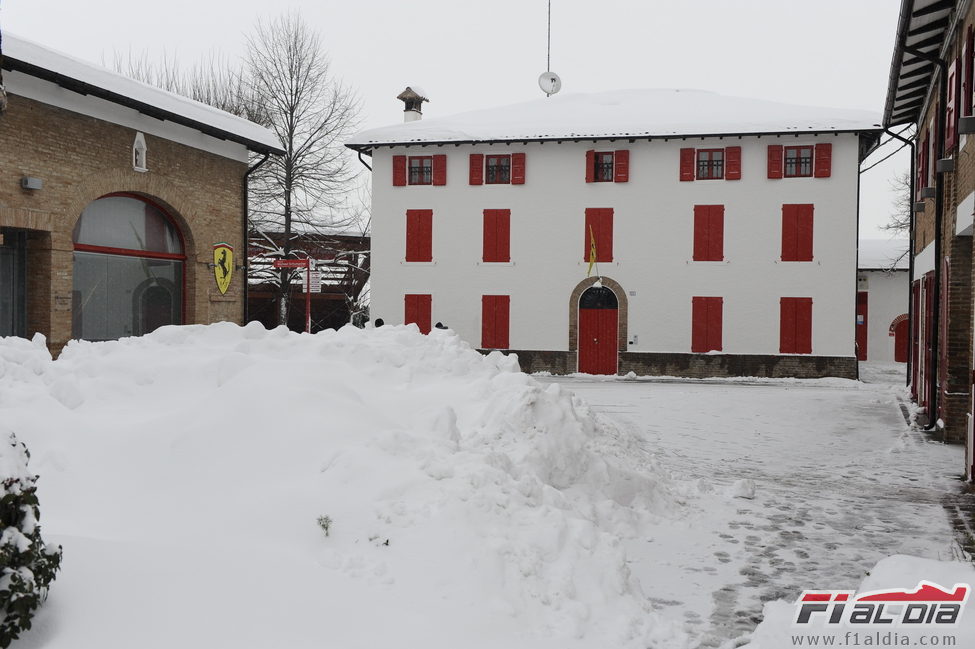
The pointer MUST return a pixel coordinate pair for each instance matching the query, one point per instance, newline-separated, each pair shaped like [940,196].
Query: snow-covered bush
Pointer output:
[27,565]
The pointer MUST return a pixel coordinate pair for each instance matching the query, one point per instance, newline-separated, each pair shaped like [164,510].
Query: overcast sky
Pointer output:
[470,55]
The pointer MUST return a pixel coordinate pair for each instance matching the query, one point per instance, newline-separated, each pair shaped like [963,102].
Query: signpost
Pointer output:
[306,264]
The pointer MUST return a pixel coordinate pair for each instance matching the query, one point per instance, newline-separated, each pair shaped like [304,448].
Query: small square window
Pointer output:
[421,170]
[603,171]
[798,161]
[498,169]
[710,164]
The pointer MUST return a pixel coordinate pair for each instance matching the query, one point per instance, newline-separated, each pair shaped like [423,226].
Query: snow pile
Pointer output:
[897,572]
[184,473]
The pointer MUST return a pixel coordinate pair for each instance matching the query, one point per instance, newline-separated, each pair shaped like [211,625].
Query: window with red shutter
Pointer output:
[419,235]
[477,169]
[951,96]
[798,161]
[706,325]
[797,232]
[498,169]
[440,169]
[775,161]
[967,89]
[621,159]
[517,168]
[599,226]
[497,236]
[709,233]
[710,164]
[824,160]
[495,318]
[687,164]
[590,166]
[795,325]
[418,311]
[733,161]
[399,170]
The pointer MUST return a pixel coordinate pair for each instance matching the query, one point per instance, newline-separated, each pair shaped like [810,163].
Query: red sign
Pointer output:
[290,263]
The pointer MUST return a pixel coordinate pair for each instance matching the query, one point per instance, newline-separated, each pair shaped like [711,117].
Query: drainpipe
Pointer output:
[939,209]
[246,232]
[364,163]
[910,250]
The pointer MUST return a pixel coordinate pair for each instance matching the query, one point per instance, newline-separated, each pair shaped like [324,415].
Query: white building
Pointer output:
[725,232]
[882,301]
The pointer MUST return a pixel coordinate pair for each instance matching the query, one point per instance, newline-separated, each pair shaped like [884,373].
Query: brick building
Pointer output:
[120,204]
[931,86]
[723,231]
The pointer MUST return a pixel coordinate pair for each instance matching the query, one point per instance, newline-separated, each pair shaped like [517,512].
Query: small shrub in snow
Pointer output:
[27,565]
[325,522]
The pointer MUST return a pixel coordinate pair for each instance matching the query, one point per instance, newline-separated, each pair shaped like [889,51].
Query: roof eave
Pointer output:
[84,88]
[367,147]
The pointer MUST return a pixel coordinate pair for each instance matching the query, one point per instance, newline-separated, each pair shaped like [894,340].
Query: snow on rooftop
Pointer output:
[883,254]
[68,66]
[622,113]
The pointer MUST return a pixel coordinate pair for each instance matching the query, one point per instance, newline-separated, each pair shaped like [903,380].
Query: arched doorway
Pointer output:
[898,329]
[128,275]
[598,331]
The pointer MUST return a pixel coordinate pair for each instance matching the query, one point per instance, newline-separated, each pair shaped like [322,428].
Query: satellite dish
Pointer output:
[549,82]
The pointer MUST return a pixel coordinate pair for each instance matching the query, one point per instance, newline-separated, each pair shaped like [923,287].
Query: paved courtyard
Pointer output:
[794,485]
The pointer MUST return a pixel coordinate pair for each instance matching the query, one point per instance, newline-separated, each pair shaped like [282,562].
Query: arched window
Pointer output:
[128,269]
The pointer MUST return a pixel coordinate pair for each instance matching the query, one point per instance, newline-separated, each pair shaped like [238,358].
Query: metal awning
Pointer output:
[923,25]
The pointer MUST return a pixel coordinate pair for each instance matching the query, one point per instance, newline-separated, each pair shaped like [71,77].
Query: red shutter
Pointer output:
[803,325]
[967,90]
[716,233]
[804,232]
[795,325]
[732,156]
[477,169]
[399,170]
[708,233]
[702,220]
[622,160]
[706,324]
[494,321]
[417,308]
[787,325]
[775,161]
[497,234]
[824,160]
[687,164]
[590,166]
[790,234]
[715,317]
[440,169]
[419,235]
[599,222]
[604,242]
[517,168]
[699,325]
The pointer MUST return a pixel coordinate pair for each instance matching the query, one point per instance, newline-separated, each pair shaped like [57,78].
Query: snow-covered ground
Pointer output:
[472,505]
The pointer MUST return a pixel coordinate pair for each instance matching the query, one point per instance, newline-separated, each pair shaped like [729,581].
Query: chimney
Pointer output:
[413,97]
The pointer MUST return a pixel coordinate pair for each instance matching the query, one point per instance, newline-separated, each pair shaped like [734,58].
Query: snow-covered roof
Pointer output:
[883,254]
[40,61]
[653,113]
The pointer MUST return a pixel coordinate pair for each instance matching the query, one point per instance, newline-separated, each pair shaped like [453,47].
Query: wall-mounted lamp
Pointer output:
[944,165]
[28,182]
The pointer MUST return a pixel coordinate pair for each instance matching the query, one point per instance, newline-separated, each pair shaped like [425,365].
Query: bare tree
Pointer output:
[900,218]
[3,91]
[290,79]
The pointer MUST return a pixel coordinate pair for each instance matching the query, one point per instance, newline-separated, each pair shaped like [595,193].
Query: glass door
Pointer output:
[13,249]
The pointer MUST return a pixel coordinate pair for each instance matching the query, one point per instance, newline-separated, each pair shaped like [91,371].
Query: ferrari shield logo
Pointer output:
[223,265]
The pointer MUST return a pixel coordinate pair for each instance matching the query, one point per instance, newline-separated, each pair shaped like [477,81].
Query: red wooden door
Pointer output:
[900,342]
[598,331]
[861,330]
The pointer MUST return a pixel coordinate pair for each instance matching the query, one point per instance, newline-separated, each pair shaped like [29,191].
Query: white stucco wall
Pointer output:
[653,239]
[887,298]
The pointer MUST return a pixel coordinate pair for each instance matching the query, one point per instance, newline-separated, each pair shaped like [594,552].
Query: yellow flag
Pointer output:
[592,252]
